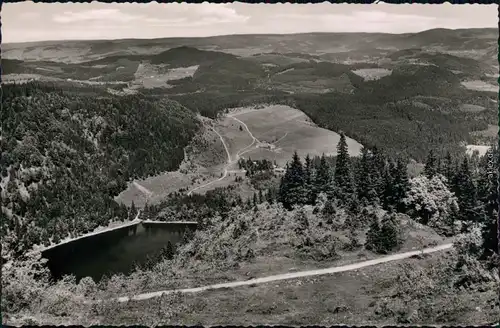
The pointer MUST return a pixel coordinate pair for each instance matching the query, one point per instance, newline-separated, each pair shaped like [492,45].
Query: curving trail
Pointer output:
[224,175]
[242,151]
[143,189]
[292,275]
[274,143]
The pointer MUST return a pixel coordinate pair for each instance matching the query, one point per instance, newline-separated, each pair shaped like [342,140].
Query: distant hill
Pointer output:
[306,43]
[434,72]
[188,56]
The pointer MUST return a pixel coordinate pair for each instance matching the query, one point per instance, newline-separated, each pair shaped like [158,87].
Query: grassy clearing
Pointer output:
[204,160]
[469,108]
[156,76]
[289,129]
[370,74]
[480,86]
[310,80]
[481,149]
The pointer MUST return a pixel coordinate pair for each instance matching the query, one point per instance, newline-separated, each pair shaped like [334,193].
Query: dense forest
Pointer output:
[65,156]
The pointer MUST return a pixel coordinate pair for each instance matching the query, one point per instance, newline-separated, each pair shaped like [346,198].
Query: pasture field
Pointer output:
[204,160]
[478,85]
[469,108]
[288,130]
[156,76]
[370,74]
[309,80]
[237,140]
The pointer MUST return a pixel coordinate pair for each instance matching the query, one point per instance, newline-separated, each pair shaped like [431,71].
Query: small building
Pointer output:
[279,170]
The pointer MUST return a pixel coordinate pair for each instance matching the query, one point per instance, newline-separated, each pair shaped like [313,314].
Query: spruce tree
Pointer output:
[389,233]
[448,169]
[269,196]
[169,251]
[373,235]
[323,178]
[308,172]
[388,199]
[431,168]
[466,192]
[365,186]
[261,197]
[401,184]
[342,176]
[491,231]
[378,167]
[133,211]
[292,188]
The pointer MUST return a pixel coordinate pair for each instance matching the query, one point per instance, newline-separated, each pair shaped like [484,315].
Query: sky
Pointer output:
[28,21]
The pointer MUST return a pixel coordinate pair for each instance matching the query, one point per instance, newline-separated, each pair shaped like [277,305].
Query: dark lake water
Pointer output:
[114,251]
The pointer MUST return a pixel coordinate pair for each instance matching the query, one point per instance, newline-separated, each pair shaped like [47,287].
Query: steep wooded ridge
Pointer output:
[66,155]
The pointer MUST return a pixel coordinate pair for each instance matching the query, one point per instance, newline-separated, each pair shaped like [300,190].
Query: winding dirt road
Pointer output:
[229,160]
[224,175]
[292,275]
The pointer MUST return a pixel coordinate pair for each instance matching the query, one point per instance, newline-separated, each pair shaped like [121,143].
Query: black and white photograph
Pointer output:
[249,164]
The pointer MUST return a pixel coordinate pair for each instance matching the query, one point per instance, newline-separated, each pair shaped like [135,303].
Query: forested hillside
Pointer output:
[66,155]
[454,194]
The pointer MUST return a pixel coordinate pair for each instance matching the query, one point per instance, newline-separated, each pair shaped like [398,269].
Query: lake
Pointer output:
[114,251]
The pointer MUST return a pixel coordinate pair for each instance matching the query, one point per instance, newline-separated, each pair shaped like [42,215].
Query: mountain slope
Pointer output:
[65,156]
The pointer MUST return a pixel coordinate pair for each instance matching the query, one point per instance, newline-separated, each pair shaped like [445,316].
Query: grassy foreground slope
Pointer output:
[271,240]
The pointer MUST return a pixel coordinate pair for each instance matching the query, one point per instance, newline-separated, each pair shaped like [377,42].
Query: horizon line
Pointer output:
[244,34]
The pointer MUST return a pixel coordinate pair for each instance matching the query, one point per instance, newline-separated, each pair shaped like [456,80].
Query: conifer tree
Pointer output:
[133,210]
[269,196]
[466,192]
[431,168]
[401,184]
[491,230]
[169,251]
[373,235]
[342,177]
[254,199]
[389,233]
[388,199]
[366,188]
[292,188]
[323,178]
[308,172]
[261,197]
[378,165]
[448,169]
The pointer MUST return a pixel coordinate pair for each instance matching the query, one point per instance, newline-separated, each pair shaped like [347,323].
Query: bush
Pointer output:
[432,203]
